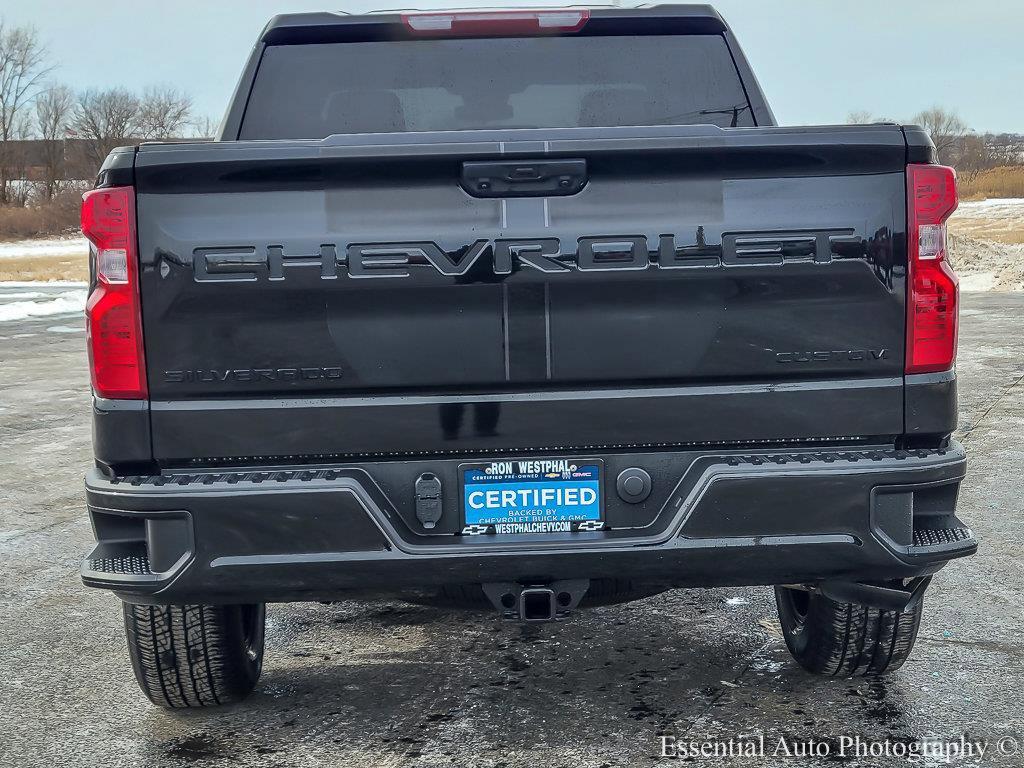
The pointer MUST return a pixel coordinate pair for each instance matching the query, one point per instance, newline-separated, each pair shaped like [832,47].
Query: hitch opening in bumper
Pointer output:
[536,603]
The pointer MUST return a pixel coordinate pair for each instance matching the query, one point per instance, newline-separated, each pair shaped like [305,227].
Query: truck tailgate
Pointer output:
[357,295]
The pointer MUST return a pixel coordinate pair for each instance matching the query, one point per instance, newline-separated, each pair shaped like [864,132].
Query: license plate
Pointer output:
[532,496]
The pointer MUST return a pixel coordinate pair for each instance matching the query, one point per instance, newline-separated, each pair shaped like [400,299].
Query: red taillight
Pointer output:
[112,314]
[495,23]
[933,289]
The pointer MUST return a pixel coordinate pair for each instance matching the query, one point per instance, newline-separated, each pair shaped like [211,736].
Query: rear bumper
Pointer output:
[728,518]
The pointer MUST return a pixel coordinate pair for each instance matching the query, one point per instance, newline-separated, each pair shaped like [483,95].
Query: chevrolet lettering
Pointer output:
[549,255]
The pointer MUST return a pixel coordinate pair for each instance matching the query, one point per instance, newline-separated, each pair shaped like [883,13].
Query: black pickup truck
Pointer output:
[530,310]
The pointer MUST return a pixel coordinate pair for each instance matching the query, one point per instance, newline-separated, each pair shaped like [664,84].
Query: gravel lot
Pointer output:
[393,684]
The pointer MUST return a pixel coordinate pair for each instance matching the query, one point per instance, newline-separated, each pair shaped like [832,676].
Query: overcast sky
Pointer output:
[817,60]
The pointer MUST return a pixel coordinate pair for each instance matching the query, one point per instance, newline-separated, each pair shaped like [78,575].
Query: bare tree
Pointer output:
[164,112]
[204,127]
[105,119]
[946,129]
[22,70]
[973,156]
[860,117]
[863,117]
[19,188]
[54,108]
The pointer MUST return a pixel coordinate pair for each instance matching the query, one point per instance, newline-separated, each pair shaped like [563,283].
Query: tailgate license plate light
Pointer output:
[532,496]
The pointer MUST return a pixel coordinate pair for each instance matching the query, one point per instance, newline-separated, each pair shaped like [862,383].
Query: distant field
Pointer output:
[45,268]
[998,220]
[998,182]
[62,258]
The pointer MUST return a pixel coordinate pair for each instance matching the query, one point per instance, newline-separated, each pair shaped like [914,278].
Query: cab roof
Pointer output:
[322,27]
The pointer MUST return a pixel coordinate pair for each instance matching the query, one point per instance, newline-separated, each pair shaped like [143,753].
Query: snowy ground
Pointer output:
[985,265]
[1001,207]
[44,260]
[59,246]
[987,244]
[62,301]
[999,220]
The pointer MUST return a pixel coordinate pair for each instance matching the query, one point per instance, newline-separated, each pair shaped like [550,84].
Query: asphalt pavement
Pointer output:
[394,684]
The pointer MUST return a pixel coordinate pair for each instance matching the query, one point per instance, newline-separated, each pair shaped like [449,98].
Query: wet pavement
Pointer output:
[394,684]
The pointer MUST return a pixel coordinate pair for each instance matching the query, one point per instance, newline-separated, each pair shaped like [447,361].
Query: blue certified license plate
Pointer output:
[531,496]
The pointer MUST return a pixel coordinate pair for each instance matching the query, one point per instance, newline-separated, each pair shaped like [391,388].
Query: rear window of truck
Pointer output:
[316,90]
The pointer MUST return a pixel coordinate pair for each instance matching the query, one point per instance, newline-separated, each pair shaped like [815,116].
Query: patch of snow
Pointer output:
[64,303]
[59,246]
[996,220]
[64,329]
[1009,203]
[736,601]
[978,281]
[984,265]
[23,295]
[42,284]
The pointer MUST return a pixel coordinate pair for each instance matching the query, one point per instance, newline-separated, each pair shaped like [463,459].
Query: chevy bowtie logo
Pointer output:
[586,254]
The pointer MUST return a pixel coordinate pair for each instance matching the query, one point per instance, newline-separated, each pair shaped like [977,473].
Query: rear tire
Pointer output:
[190,656]
[844,639]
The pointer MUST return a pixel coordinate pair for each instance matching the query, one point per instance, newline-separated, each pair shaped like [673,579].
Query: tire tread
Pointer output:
[189,656]
[850,640]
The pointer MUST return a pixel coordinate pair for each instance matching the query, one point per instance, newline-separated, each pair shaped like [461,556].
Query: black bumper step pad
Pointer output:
[128,565]
[941,537]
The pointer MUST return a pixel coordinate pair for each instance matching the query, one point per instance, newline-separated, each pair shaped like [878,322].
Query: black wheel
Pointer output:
[195,655]
[844,639]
